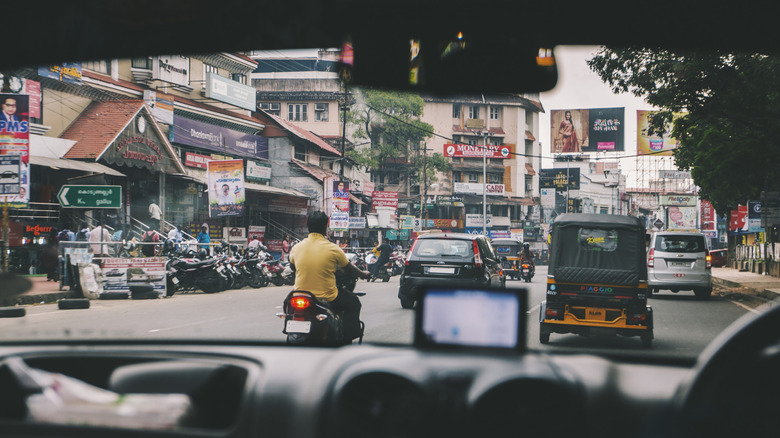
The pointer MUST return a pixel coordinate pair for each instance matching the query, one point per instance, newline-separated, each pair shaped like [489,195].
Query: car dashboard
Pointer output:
[357,391]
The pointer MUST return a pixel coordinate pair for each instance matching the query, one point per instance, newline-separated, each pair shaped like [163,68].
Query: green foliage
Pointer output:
[390,122]
[731,112]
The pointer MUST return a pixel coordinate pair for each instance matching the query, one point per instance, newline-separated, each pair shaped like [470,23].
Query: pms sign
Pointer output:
[476,151]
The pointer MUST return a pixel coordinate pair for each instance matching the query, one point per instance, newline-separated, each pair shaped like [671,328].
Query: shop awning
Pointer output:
[274,190]
[63,163]
[356,200]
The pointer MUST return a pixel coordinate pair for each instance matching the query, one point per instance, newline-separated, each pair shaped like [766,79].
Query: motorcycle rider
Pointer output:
[315,260]
[526,255]
[383,252]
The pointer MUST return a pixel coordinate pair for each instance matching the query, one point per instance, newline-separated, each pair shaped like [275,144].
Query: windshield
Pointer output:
[170,193]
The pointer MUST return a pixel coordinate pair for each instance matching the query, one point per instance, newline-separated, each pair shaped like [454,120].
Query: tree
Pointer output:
[390,121]
[730,105]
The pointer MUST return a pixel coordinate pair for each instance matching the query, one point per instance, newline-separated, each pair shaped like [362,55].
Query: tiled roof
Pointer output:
[304,134]
[529,136]
[317,172]
[98,125]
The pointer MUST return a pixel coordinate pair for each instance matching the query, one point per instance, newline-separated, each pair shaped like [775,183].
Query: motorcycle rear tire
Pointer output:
[256,280]
[385,278]
[277,281]
[212,283]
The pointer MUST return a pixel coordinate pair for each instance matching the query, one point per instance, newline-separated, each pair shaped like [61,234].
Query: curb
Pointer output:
[43,298]
[769,294]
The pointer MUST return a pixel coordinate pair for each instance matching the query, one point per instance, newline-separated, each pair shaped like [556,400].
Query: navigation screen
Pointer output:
[470,317]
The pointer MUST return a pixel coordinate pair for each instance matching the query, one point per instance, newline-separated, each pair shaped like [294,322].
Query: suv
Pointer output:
[679,261]
[449,259]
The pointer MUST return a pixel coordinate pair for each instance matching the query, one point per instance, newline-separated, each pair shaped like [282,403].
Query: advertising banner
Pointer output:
[256,230]
[681,218]
[357,222]
[560,179]
[476,188]
[161,105]
[674,174]
[754,217]
[216,138]
[384,199]
[33,89]
[120,274]
[174,69]
[15,140]
[707,217]
[476,151]
[339,206]
[445,223]
[587,130]
[655,144]
[449,201]
[226,188]
[548,198]
[227,90]
[475,220]
[67,72]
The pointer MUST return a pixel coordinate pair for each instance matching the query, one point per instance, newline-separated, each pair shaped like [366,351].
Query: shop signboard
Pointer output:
[219,139]
[398,235]
[475,220]
[560,178]
[449,201]
[257,171]
[477,151]
[500,234]
[160,105]
[445,223]
[229,91]
[678,200]
[681,218]
[384,199]
[477,189]
[407,222]
[754,217]
[120,274]
[357,222]
[288,205]
[256,231]
[67,72]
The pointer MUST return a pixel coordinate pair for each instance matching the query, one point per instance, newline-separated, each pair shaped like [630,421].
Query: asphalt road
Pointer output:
[683,324]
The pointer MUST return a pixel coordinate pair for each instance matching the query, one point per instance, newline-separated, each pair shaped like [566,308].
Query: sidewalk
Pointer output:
[43,292]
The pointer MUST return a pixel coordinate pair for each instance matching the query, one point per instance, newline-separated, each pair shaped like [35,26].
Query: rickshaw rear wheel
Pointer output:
[544,338]
[647,340]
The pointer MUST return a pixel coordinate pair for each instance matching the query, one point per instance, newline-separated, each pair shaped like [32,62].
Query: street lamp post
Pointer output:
[485,135]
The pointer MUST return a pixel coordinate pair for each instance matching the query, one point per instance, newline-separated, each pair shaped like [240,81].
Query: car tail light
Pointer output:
[552,313]
[409,254]
[637,318]
[477,257]
[300,303]
[651,258]
[708,259]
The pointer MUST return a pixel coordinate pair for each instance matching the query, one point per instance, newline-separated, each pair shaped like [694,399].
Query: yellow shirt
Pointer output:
[316,261]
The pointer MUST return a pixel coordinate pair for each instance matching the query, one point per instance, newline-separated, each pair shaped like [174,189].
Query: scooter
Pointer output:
[526,272]
[381,271]
[311,321]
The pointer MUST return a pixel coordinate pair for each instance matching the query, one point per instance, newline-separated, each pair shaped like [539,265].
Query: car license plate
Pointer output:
[438,270]
[680,264]
[175,280]
[595,314]
[298,326]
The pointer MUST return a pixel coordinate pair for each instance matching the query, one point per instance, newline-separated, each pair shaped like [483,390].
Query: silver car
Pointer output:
[679,261]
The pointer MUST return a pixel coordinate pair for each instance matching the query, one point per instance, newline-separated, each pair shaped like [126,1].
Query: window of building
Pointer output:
[208,68]
[473,111]
[456,110]
[321,112]
[473,141]
[473,177]
[529,119]
[494,112]
[238,77]
[98,66]
[494,178]
[274,108]
[529,184]
[300,152]
[456,176]
[142,63]
[296,112]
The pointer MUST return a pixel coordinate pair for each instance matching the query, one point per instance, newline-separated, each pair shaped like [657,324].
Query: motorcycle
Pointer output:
[381,271]
[397,263]
[187,274]
[273,270]
[526,272]
[311,321]
[253,269]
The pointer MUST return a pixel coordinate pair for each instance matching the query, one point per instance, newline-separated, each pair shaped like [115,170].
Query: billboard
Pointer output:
[226,188]
[15,140]
[654,144]
[339,206]
[587,130]
[681,218]
[560,179]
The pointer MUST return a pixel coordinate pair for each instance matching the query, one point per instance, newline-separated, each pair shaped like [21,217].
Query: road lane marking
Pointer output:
[745,306]
[187,325]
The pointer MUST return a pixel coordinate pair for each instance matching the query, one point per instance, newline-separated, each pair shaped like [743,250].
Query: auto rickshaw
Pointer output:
[509,251]
[597,278]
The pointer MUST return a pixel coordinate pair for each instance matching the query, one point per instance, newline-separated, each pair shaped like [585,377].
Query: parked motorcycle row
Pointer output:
[228,268]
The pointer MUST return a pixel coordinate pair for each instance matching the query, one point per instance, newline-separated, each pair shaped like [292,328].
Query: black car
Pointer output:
[449,259]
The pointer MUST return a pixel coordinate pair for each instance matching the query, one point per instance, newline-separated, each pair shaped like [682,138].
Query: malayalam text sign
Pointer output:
[78,196]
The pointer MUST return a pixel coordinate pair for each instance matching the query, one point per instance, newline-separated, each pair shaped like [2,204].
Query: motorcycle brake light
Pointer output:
[526,266]
[300,303]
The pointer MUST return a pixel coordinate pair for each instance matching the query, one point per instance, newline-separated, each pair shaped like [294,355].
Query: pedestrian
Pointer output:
[155,214]
[97,236]
[66,235]
[286,248]
[254,243]
[150,239]
[175,234]
[204,238]
[50,259]
[83,233]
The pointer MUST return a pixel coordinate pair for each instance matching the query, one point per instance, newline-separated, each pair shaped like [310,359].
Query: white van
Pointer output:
[678,260]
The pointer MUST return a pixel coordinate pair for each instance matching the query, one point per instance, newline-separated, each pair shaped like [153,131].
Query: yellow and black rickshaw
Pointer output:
[509,251]
[597,278]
